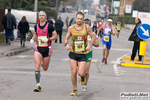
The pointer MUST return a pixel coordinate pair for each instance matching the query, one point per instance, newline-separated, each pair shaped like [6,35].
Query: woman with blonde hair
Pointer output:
[23,28]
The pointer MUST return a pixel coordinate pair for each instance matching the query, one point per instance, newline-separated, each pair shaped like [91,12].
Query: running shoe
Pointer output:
[9,41]
[84,88]
[23,44]
[38,88]
[74,92]
[83,80]
[103,60]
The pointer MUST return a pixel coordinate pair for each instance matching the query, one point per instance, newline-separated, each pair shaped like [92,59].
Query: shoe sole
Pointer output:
[37,90]
[23,44]
[9,41]
[74,95]
[84,90]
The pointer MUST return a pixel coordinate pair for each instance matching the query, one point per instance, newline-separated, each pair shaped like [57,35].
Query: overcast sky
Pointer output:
[96,1]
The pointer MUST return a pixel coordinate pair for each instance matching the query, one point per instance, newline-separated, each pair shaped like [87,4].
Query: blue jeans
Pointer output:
[8,34]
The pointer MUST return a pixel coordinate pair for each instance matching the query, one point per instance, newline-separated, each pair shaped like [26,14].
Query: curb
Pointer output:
[11,53]
[127,63]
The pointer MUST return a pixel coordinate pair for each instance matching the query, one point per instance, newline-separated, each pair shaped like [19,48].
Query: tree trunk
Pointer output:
[20,4]
[9,3]
[28,4]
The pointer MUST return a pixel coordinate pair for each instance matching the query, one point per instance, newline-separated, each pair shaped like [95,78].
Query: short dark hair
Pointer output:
[9,9]
[87,21]
[80,13]
[110,18]
[139,19]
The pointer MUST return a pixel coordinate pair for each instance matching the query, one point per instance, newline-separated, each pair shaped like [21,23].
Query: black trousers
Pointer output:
[60,36]
[134,50]
[23,37]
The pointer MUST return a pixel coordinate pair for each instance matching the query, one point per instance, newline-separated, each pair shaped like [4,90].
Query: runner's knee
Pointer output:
[74,72]
[45,68]
[107,50]
[81,74]
[86,72]
[104,48]
[37,67]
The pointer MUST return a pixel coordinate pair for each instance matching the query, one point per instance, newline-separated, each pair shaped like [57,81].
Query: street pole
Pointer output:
[35,5]
[99,3]
[56,9]
[112,6]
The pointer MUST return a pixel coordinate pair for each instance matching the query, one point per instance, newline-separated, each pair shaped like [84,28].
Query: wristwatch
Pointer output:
[48,39]
[66,44]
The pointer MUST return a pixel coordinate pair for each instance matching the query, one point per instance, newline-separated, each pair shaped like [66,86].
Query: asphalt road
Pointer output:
[17,79]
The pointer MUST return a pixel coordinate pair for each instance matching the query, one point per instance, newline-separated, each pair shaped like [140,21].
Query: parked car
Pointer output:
[72,21]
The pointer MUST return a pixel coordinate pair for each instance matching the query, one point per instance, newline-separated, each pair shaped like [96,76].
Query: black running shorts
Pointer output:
[77,57]
[44,51]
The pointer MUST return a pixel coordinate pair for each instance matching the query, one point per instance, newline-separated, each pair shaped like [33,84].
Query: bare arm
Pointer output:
[68,35]
[89,31]
[96,44]
[113,31]
[34,36]
[67,38]
[100,29]
[54,37]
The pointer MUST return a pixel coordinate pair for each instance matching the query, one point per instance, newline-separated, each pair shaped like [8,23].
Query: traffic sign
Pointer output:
[143,31]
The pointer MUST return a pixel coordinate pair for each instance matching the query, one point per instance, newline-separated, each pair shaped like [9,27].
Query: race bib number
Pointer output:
[118,27]
[41,43]
[106,38]
[79,46]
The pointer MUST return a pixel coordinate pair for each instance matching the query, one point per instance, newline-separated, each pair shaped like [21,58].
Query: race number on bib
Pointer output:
[41,43]
[118,27]
[106,38]
[79,46]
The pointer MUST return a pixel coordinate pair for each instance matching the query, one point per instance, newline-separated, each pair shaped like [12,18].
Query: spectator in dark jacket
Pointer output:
[50,21]
[9,22]
[134,37]
[59,25]
[23,28]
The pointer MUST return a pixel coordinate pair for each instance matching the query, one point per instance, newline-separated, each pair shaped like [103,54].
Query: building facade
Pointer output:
[123,4]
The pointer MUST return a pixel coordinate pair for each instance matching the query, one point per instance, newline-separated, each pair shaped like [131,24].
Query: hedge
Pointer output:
[128,19]
[49,12]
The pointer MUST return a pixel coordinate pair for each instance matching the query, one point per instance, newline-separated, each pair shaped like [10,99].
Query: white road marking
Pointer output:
[24,56]
[148,54]
[115,49]
[93,60]
[115,62]
[117,73]
[65,59]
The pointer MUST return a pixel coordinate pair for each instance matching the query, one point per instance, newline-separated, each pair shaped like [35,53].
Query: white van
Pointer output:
[31,16]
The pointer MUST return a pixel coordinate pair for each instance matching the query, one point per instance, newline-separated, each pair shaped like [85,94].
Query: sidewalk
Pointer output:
[127,30]
[14,48]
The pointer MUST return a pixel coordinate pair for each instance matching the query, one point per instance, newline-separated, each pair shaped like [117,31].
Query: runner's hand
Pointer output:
[109,32]
[44,39]
[67,47]
[31,41]
[88,48]
[97,36]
